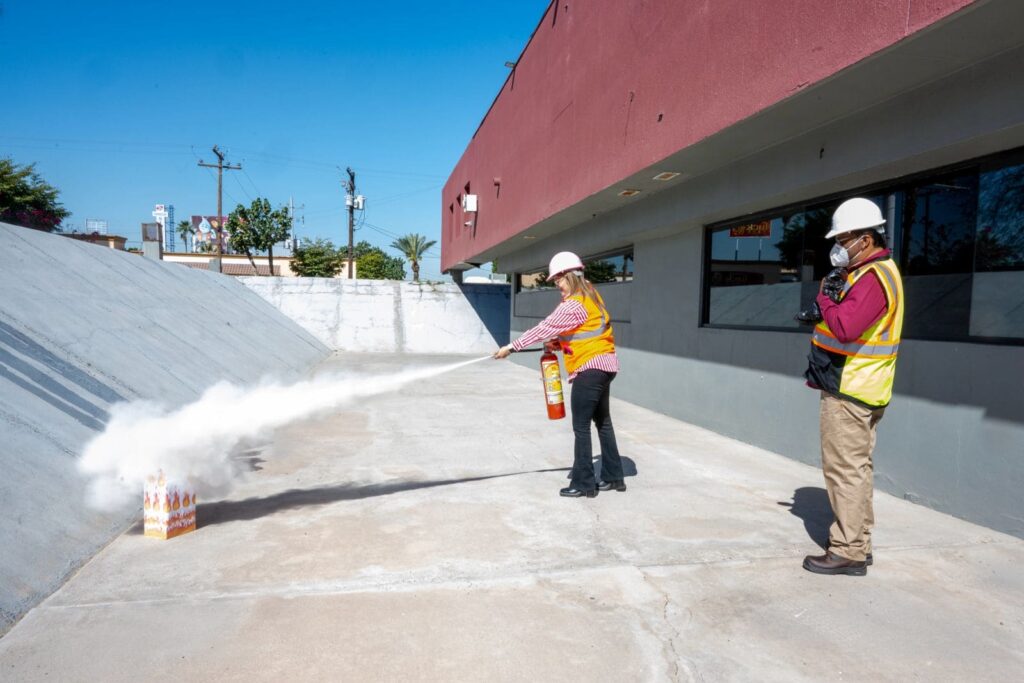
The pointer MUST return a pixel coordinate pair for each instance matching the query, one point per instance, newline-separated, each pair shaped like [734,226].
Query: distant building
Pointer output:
[110,241]
[95,225]
[164,215]
[238,264]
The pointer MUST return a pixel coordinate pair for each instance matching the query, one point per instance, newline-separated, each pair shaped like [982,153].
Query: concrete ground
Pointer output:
[419,536]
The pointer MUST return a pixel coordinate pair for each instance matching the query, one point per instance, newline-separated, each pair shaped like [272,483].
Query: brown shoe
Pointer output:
[830,563]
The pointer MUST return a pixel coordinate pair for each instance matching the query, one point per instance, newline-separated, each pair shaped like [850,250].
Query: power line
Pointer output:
[388,233]
[383,200]
[242,187]
[246,174]
[186,148]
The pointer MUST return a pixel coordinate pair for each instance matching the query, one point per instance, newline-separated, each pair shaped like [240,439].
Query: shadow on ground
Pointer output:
[628,467]
[209,514]
[810,504]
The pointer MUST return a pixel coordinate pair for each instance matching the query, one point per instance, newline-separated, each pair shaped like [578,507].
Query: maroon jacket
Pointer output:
[862,306]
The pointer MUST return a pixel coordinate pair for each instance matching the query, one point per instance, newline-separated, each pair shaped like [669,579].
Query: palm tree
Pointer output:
[412,247]
[185,230]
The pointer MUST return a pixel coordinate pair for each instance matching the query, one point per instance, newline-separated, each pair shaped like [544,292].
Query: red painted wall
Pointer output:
[580,112]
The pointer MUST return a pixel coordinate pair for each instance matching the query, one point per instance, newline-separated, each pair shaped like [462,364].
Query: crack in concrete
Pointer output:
[680,663]
[397,584]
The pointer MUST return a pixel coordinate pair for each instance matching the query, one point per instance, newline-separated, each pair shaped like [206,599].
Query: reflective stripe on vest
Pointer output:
[591,339]
[880,349]
[868,372]
[590,334]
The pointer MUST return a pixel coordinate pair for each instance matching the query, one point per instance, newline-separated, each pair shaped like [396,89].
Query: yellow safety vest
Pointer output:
[593,338]
[862,370]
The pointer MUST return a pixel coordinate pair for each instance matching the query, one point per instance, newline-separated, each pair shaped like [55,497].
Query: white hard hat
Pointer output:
[562,263]
[856,214]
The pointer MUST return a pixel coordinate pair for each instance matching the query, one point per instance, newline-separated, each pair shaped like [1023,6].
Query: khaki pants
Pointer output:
[847,441]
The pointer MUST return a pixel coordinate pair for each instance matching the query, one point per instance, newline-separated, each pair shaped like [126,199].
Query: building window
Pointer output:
[957,236]
[997,292]
[606,268]
[762,271]
[936,254]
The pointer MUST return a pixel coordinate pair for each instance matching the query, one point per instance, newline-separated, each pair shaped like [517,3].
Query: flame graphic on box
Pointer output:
[168,508]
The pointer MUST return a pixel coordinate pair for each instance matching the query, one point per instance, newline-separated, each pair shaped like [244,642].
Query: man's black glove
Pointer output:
[809,316]
[832,285]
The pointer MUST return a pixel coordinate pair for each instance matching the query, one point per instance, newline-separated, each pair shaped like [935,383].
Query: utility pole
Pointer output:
[221,167]
[351,201]
[291,217]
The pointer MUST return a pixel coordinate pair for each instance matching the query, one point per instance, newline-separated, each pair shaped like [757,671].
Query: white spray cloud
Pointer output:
[195,443]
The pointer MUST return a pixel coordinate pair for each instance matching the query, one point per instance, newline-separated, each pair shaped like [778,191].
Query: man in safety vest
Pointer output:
[853,362]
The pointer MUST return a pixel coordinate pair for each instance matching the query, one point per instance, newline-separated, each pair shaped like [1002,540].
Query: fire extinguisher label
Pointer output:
[552,383]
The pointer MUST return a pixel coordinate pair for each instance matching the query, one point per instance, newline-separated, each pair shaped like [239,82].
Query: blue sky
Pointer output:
[116,102]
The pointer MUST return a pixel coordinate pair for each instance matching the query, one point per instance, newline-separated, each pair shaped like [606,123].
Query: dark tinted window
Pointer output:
[957,236]
[616,266]
[997,292]
[937,254]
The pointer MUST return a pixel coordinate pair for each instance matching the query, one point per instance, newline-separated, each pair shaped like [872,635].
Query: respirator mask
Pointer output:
[840,255]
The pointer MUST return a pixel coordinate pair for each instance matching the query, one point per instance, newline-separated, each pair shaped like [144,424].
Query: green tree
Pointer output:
[599,271]
[359,249]
[373,264]
[318,259]
[258,227]
[185,230]
[413,247]
[28,200]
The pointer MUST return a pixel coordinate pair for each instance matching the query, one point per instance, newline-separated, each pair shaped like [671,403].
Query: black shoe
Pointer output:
[571,492]
[830,563]
[611,485]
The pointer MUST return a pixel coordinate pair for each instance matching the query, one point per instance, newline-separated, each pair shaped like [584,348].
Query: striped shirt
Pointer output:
[568,315]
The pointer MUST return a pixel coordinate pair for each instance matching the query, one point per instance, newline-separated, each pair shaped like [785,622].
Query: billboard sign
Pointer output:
[206,228]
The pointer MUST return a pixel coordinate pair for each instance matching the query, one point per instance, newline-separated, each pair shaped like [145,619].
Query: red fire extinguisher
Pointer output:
[551,373]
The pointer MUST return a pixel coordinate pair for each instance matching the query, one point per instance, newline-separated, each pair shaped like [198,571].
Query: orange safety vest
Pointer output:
[593,338]
[862,370]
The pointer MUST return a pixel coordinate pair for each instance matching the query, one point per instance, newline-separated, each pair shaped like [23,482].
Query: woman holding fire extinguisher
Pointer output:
[580,327]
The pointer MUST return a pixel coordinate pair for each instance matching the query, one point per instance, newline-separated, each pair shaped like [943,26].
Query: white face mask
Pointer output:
[840,255]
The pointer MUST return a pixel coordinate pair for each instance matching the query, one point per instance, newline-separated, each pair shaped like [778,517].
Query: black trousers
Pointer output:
[590,393]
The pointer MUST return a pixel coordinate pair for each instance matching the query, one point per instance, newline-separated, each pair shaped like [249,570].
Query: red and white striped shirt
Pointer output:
[568,315]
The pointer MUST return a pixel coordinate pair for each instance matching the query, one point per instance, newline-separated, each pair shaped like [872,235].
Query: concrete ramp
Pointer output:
[81,328]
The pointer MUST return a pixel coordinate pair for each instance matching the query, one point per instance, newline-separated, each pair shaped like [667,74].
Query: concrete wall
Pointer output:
[383,316]
[83,327]
[953,437]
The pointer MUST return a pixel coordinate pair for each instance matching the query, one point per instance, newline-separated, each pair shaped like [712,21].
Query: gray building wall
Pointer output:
[953,437]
